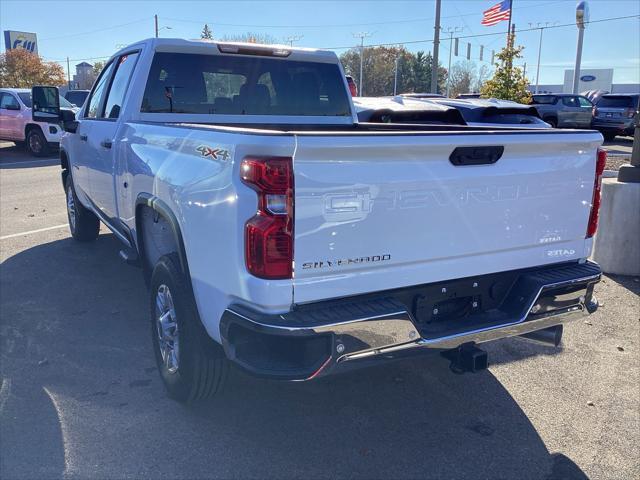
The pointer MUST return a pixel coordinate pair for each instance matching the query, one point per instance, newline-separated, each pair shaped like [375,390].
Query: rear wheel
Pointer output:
[552,121]
[192,366]
[609,136]
[83,223]
[36,143]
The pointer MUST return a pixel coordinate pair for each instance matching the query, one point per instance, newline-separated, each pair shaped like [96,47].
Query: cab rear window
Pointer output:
[243,85]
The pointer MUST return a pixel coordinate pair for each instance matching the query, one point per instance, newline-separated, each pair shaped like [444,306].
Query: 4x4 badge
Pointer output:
[214,153]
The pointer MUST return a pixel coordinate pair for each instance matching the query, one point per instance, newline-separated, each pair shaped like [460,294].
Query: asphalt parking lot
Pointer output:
[80,396]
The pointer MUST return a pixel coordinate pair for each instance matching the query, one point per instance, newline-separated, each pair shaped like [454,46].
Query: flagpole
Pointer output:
[510,14]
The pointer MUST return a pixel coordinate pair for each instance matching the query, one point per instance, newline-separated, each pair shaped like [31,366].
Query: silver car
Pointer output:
[564,110]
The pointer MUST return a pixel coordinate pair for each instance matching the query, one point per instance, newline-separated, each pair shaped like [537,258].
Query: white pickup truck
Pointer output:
[279,233]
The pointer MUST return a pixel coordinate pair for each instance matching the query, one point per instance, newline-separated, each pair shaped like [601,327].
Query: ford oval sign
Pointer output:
[587,78]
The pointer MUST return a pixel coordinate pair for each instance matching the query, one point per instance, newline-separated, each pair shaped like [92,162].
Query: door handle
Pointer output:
[106,143]
[83,138]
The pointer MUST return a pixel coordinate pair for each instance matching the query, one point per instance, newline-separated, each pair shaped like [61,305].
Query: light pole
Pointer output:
[362,36]
[541,28]
[436,47]
[450,31]
[582,18]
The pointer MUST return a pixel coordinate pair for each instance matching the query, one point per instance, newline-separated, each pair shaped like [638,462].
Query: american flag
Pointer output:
[497,13]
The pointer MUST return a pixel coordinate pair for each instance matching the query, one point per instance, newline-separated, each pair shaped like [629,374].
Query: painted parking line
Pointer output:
[44,162]
[30,232]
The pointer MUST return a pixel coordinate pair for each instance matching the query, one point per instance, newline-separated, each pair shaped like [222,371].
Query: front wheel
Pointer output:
[552,121]
[192,366]
[36,143]
[83,224]
[609,136]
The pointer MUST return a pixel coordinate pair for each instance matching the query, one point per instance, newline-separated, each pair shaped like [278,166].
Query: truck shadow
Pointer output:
[74,320]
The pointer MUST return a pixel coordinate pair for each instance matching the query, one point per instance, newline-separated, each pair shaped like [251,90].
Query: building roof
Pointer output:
[84,64]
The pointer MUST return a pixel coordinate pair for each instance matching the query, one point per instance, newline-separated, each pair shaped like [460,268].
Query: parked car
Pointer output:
[564,110]
[353,88]
[405,110]
[614,113]
[76,97]
[495,113]
[279,233]
[16,124]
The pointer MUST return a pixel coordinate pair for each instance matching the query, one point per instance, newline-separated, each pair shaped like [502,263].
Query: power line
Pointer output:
[98,30]
[338,25]
[483,34]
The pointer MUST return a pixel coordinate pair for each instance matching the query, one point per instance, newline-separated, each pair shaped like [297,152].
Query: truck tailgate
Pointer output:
[394,211]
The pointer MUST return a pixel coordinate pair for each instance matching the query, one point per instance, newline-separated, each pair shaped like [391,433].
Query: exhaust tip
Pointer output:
[547,336]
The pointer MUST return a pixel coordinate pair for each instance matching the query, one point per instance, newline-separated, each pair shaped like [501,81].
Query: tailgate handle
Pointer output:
[476,155]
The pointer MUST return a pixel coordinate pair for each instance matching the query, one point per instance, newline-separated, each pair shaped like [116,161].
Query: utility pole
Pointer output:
[395,78]
[68,75]
[541,27]
[436,46]
[293,38]
[362,36]
[155,17]
[582,17]
[450,31]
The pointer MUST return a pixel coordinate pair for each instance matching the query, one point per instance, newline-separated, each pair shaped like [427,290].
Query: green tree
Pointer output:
[378,70]
[97,68]
[206,33]
[20,68]
[508,82]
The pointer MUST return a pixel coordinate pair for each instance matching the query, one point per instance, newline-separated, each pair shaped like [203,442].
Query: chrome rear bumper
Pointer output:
[315,340]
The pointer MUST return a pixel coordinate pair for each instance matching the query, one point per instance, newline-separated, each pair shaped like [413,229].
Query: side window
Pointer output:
[119,85]
[98,91]
[8,100]
[569,102]
[584,103]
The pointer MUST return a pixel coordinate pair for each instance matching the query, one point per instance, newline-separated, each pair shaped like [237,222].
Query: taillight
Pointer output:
[594,111]
[268,235]
[601,162]
[629,112]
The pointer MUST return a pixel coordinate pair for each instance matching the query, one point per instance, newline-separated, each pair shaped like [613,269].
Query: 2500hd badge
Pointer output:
[346,261]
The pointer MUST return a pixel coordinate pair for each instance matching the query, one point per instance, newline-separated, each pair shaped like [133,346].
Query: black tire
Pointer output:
[552,121]
[609,136]
[36,144]
[197,367]
[83,224]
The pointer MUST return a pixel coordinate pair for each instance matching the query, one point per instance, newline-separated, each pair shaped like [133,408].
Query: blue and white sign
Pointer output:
[587,78]
[15,40]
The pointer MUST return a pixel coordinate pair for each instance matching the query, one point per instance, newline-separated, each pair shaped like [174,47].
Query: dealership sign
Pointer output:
[15,40]
[588,78]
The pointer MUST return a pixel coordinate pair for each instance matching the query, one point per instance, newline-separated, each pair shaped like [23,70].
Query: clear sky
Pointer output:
[87,29]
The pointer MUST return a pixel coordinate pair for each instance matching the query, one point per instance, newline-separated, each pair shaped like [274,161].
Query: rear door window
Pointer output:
[570,102]
[544,99]
[243,85]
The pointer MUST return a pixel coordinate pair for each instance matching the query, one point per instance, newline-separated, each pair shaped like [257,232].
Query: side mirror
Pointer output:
[45,104]
[69,123]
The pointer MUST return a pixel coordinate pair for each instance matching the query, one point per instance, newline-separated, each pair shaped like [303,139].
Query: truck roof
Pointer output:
[214,46]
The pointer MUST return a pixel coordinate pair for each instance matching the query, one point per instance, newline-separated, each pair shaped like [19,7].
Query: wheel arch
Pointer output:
[162,210]
[31,126]
[64,165]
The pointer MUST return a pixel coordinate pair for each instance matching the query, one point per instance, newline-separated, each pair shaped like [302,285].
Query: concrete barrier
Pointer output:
[617,243]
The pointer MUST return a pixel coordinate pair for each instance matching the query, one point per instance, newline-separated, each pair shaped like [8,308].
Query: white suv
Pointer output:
[17,126]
